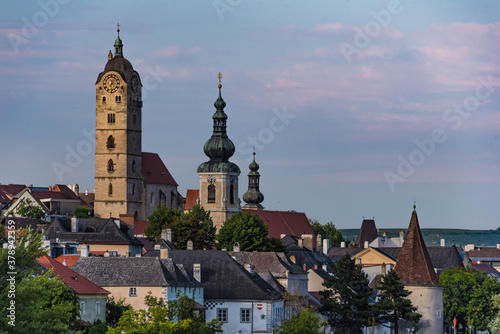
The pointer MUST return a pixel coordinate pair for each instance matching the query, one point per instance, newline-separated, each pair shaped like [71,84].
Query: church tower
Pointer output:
[218,176]
[253,197]
[118,178]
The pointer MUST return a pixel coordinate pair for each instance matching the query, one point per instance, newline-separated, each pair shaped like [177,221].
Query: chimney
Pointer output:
[138,255]
[106,254]
[168,236]
[74,224]
[157,247]
[236,247]
[164,253]
[300,242]
[442,242]
[50,188]
[319,243]
[342,244]
[64,262]
[248,267]
[197,271]
[307,241]
[367,244]
[384,269]
[326,246]
[164,234]
[469,247]
[189,245]
[84,250]
[76,189]
[315,267]
[401,238]
[304,266]
[87,191]
[498,246]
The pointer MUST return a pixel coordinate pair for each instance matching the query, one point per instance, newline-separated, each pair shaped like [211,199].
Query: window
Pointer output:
[110,189]
[133,189]
[134,119]
[111,142]
[245,315]
[163,198]
[118,98]
[111,118]
[104,99]
[222,314]
[151,197]
[97,308]
[132,292]
[111,166]
[133,166]
[82,308]
[211,194]
[231,194]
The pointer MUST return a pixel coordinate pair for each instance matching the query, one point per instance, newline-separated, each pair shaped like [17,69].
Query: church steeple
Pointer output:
[253,197]
[118,44]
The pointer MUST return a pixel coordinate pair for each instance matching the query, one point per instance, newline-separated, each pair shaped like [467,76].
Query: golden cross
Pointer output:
[219,76]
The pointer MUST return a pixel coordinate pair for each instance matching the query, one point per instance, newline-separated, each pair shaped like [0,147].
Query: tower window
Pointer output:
[111,142]
[134,119]
[110,189]
[133,166]
[118,98]
[133,189]
[104,99]
[211,194]
[231,194]
[111,118]
[111,166]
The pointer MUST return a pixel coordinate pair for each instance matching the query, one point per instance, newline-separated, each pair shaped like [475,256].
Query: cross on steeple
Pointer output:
[220,77]
[118,25]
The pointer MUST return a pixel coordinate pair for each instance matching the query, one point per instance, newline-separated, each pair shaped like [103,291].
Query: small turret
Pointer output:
[253,197]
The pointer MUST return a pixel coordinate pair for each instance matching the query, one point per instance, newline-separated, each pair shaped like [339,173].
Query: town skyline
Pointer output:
[336,101]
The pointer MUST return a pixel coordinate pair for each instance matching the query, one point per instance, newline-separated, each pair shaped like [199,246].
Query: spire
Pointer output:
[253,197]
[414,265]
[118,43]
[219,148]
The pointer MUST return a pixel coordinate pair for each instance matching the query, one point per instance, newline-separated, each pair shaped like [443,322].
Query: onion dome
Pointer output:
[253,197]
[219,148]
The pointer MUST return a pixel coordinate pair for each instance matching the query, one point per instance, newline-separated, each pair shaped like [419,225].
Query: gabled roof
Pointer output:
[414,265]
[275,263]
[154,170]
[9,191]
[336,253]
[192,196]
[91,231]
[224,278]
[367,232]
[22,222]
[305,256]
[485,254]
[492,272]
[139,227]
[138,271]
[70,260]
[285,222]
[76,281]
[379,253]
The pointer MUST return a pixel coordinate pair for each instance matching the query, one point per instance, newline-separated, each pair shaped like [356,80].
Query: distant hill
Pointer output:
[432,236]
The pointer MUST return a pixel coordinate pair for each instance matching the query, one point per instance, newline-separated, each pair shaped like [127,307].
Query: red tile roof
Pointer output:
[492,272]
[8,191]
[192,196]
[285,222]
[154,170]
[70,259]
[414,265]
[74,280]
[139,227]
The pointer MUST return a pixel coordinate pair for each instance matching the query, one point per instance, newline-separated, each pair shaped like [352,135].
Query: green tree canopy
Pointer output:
[196,225]
[494,325]
[83,212]
[467,297]
[177,317]
[393,304]
[115,309]
[249,230]
[306,322]
[27,209]
[327,231]
[345,299]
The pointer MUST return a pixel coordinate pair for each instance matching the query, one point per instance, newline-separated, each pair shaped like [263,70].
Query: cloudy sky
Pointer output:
[355,108]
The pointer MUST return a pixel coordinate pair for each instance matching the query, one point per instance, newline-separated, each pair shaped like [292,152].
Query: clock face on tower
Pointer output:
[111,83]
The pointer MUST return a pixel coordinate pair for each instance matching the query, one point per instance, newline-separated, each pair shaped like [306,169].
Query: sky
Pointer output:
[355,108]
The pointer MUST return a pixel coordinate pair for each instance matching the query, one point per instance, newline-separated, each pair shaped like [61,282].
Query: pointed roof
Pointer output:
[414,265]
[154,170]
[367,232]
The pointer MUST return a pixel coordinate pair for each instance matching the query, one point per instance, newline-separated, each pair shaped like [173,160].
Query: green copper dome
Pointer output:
[219,148]
[253,197]
[118,44]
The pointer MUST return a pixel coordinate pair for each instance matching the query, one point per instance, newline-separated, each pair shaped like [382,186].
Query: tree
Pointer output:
[393,304]
[176,317]
[196,225]
[83,212]
[494,325]
[345,299]
[306,322]
[115,309]
[43,303]
[249,230]
[27,209]
[327,231]
[467,297]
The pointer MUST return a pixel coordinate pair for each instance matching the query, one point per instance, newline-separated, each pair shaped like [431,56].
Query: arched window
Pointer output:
[231,194]
[111,142]
[111,166]
[110,189]
[104,99]
[211,193]
[133,166]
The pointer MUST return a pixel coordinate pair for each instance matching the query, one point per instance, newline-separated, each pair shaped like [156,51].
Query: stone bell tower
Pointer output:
[118,178]
[218,176]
